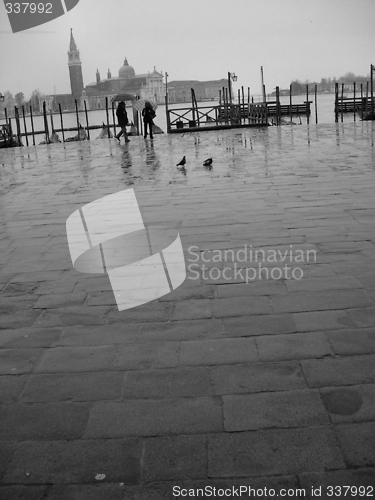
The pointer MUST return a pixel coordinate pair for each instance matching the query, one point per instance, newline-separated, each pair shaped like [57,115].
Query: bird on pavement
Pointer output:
[208,162]
[182,162]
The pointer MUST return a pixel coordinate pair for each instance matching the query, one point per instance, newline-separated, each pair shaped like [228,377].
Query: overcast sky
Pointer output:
[194,39]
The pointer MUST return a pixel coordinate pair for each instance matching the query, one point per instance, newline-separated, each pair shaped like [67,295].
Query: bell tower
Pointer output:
[75,68]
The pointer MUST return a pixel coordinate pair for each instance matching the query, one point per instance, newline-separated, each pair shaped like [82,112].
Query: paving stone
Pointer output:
[259,325]
[19,319]
[351,342]
[51,462]
[37,276]
[73,387]
[71,316]
[240,306]
[293,346]
[368,280]
[256,288]
[363,317]
[99,335]
[190,293]
[357,442]
[146,356]
[339,371]
[89,284]
[276,409]
[17,361]
[324,300]
[180,457]
[182,330]
[58,287]
[43,421]
[11,387]
[323,284]
[114,491]
[168,383]
[28,338]
[154,311]
[155,417]
[350,404]
[257,377]
[339,482]
[323,320]
[191,309]
[220,351]
[78,359]
[267,452]
[7,450]
[52,301]
[101,299]
[17,289]
[22,492]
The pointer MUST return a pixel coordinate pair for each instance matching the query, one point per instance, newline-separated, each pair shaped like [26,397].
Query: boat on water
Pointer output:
[366,115]
[7,140]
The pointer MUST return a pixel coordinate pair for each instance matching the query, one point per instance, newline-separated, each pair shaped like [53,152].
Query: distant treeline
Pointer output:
[326,84]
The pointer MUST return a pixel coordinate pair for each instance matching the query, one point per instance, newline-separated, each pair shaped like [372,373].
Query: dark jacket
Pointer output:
[148,114]
[122,117]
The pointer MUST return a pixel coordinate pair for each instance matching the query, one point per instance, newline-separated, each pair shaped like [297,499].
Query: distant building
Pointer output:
[145,86]
[348,87]
[180,90]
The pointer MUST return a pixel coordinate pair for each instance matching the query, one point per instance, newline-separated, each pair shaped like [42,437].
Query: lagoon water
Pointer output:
[325,109]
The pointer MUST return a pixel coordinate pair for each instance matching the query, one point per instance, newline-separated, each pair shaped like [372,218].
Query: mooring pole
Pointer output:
[354,103]
[107,114]
[290,102]
[62,124]
[77,117]
[87,119]
[32,124]
[342,102]
[336,102]
[24,125]
[372,90]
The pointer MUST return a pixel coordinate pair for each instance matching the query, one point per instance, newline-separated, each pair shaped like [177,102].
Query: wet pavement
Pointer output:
[244,375]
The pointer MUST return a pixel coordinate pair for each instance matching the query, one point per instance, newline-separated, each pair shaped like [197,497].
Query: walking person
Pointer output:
[148,114]
[122,119]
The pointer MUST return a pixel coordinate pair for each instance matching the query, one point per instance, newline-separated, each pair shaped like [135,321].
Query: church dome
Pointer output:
[126,71]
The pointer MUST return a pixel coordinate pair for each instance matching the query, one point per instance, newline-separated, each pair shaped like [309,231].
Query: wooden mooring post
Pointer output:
[354,106]
[307,105]
[316,103]
[62,124]
[32,124]
[336,102]
[342,102]
[17,117]
[290,102]
[24,125]
[372,90]
[87,119]
[107,115]
[77,117]
[278,114]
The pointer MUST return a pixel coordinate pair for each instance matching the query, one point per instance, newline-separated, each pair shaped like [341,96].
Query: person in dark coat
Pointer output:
[122,120]
[148,114]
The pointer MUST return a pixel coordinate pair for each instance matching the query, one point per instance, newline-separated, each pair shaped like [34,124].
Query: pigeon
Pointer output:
[208,162]
[182,162]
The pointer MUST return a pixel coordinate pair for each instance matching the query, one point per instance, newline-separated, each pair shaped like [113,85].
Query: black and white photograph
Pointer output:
[187,249]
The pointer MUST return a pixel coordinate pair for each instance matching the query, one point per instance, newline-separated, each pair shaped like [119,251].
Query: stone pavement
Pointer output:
[222,383]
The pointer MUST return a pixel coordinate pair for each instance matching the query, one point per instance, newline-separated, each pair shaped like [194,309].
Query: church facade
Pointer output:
[148,86]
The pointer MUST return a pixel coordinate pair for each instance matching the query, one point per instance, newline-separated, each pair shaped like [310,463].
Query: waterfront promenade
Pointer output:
[222,383]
